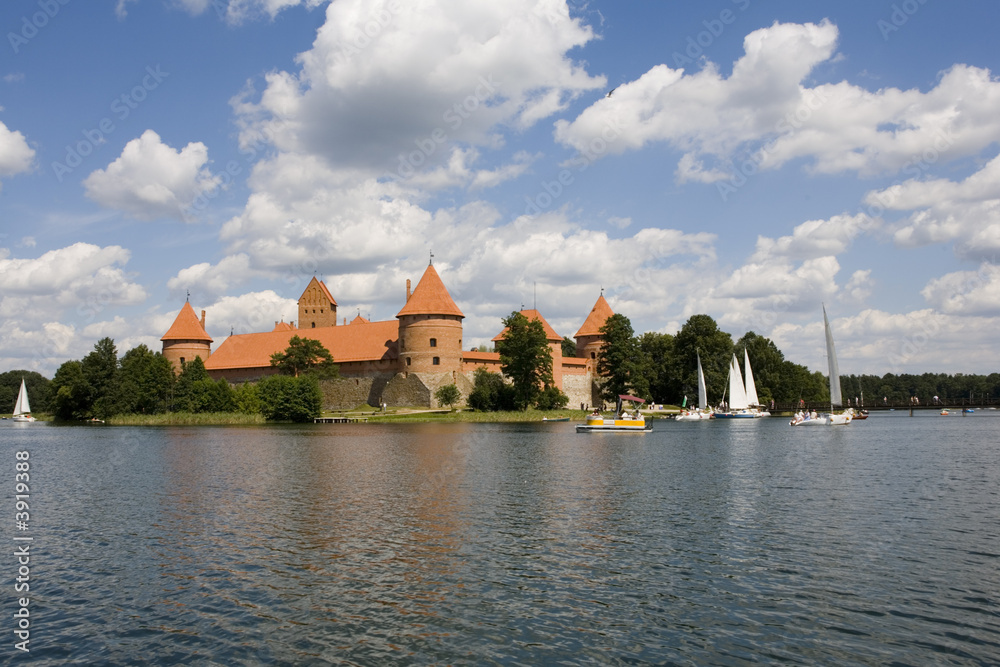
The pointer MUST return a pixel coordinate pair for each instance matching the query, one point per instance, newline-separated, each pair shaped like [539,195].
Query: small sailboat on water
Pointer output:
[22,409]
[702,412]
[739,405]
[836,398]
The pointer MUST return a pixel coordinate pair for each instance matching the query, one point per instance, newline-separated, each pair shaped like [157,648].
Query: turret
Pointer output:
[317,307]
[430,328]
[588,338]
[186,338]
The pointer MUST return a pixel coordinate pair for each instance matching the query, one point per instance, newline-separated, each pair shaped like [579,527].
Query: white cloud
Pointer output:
[211,281]
[387,86]
[765,109]
[152,180]
[966,292]
[82,275]
[859,287]
[16,156]
[80,282]
[247,313]
[815,238]
[877,342]
[966,213]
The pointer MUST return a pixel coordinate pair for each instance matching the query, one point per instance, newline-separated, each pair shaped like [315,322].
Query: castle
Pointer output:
[397,362]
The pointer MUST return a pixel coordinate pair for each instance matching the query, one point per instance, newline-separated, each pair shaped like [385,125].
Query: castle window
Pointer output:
[593,355]
[437,361]
[407,361]
[434,342]
[314,324]
[182,361]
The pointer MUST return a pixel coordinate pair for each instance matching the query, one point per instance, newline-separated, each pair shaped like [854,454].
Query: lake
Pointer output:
[729,543]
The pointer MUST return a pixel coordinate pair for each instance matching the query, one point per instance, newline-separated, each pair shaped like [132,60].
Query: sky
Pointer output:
[746,159]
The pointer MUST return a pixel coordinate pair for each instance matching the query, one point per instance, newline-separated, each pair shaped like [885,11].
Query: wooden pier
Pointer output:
[340,420]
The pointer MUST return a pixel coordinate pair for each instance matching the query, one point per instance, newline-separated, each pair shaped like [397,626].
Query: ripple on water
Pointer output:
[497,544]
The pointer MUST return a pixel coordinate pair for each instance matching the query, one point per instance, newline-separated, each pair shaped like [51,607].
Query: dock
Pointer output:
[340,420]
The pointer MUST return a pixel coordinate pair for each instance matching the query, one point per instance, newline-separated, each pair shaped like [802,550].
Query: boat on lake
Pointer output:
[836,398]
[22,409]
[555,419]
[622,421]
[702,412]
[739,401]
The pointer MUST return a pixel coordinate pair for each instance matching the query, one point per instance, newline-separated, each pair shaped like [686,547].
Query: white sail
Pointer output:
[836,399]
[22,406]
[737,392]
[751,387]
[702,392]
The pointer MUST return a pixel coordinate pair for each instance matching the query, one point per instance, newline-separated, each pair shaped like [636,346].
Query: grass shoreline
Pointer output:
[397,416]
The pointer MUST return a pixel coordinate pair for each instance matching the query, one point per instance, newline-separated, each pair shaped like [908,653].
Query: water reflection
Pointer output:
[697,543]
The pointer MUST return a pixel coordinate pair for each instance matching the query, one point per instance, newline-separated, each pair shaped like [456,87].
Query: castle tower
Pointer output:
[430,328]
[588,338]
[186,338]
[317,307]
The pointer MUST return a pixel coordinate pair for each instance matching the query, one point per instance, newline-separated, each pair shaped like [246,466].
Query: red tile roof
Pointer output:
[430,297]
[480,356]
[367,341]
[186,326]
[360,320]
[532,314]
[599,314]
[283,326]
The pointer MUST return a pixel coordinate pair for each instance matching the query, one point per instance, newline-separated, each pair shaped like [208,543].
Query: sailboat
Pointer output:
[22,409]
[739,406]
[836,399]
[702,412]
[752,399]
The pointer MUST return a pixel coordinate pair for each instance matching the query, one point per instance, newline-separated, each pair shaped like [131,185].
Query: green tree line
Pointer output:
[102,385]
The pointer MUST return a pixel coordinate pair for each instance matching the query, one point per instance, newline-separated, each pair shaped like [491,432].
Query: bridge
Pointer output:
[923,404]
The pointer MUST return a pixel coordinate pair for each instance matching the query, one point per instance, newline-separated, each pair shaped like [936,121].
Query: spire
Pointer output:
[186,326]
[430,297]
[599,314]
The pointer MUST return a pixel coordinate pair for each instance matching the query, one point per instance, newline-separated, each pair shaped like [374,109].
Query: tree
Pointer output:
[146,381]
[190,386]
[246,399]
[619,360]
[305,355]
[552,398]
[100,368]
[285,398]
[71,392]
[448,395]
[490,392]
[568,347]
[700,334]
[525,358]
[657,351]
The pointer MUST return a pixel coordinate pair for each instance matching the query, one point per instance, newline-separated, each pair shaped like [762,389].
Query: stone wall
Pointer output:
[347,393]
[579,389]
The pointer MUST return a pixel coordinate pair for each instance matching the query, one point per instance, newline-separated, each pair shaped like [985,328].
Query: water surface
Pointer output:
[699,543]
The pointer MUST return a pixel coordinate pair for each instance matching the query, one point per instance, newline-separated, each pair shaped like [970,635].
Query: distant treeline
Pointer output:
[664,369]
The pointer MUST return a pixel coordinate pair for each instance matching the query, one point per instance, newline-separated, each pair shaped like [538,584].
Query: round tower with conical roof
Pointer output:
[589,339]
[186,338]
[430,328]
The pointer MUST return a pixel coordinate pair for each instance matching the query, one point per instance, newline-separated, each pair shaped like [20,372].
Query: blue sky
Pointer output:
[746,159]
